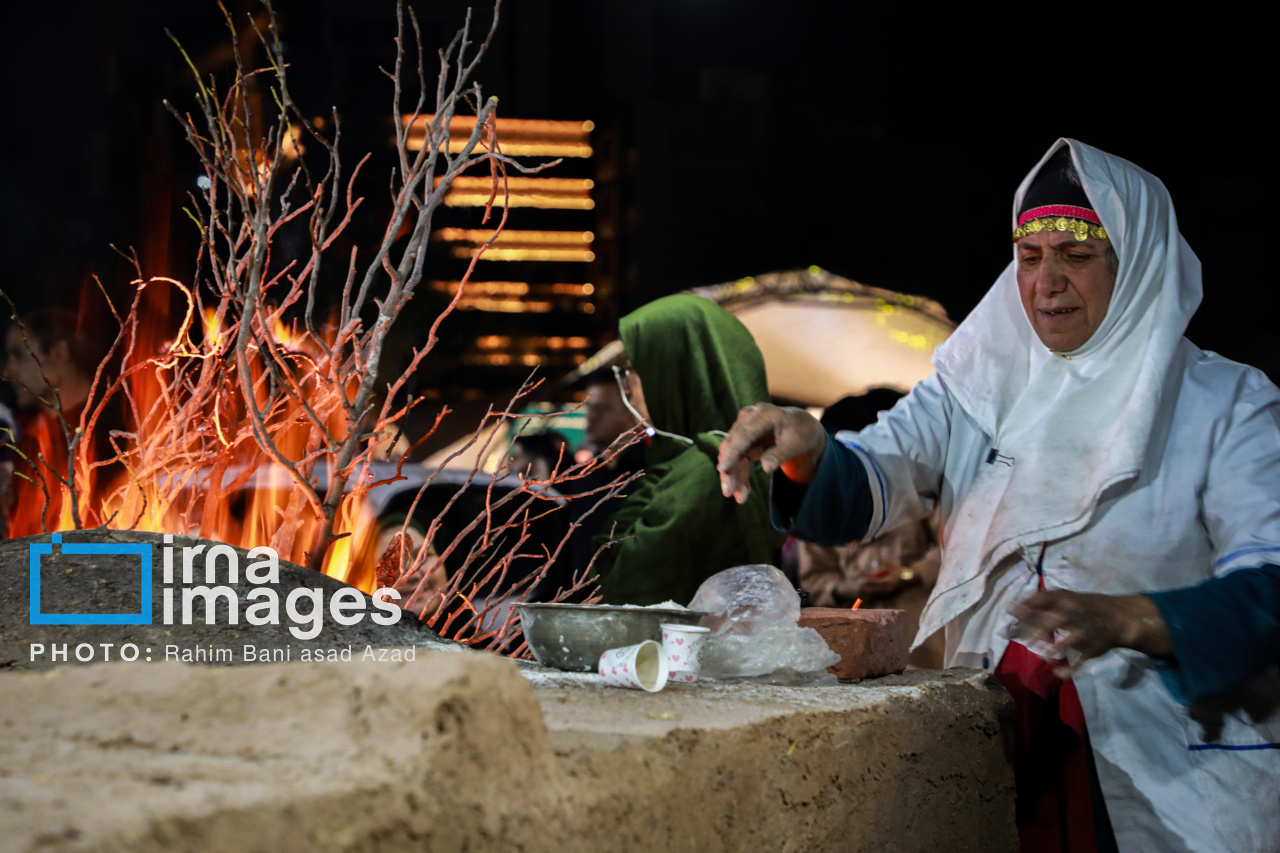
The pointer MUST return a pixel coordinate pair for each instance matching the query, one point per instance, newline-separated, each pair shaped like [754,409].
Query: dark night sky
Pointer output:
[882,145]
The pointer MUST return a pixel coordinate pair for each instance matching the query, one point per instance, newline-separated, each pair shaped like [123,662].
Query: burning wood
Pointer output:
[387,570]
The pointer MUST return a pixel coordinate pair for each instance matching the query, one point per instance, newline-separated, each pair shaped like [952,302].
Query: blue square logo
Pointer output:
[143,617]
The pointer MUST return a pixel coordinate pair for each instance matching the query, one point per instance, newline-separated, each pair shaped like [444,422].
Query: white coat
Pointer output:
[1207,501]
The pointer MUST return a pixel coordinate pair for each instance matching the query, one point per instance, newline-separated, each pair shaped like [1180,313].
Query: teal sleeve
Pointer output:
[832,510]
[1224,631]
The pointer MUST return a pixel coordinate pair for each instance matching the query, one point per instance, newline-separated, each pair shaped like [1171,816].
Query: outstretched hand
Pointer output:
[788,438]
[1089,625]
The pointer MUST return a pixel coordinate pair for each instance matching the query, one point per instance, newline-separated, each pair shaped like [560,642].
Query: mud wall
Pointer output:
[454,752]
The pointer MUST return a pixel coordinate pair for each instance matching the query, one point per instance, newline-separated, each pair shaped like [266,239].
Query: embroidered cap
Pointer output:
[1055,201]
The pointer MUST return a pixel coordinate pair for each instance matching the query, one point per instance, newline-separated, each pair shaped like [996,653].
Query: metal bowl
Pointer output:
[573,636]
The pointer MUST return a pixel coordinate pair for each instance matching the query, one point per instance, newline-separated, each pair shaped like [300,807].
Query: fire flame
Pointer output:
[207,476]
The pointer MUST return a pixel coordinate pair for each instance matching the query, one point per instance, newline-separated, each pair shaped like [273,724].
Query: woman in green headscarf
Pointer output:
[697,365]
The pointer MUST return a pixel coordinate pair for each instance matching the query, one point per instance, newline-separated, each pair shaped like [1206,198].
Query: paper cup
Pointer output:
[642,667]
[682,646]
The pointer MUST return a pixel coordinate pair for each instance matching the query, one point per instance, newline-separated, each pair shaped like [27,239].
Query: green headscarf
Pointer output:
[699,365]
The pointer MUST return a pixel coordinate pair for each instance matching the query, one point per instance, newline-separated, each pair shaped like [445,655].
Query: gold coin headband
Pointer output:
[1080,221]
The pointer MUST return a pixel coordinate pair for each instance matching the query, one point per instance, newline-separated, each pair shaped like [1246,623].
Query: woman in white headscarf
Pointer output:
[1090,466]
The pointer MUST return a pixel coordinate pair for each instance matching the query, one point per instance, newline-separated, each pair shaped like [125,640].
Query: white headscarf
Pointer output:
[1072,426]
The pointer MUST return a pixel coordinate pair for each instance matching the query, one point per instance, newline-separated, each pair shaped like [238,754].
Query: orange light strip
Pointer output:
[517,137]
[514,149]
[517,184]
[502,358]
[556,342]
[550,202]
[574,289]
[516,306]
[494,358]
[504,306]
[569,255]
[510,127]
[519,245]
[486,288]
[476,236]
[512,288]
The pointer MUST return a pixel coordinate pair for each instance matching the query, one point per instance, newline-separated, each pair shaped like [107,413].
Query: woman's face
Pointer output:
[1065,285]
[635,393]
[23,369]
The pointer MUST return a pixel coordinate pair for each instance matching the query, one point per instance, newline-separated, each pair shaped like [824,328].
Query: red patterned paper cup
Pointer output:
[642,667]
[682,646]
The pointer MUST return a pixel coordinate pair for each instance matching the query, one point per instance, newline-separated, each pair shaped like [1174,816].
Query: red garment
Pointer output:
[1054,811]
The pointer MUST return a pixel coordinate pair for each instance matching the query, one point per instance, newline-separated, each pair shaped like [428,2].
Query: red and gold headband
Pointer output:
[1080,221]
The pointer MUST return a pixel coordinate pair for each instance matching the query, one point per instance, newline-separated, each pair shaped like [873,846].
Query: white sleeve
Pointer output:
[1242,490]
[905,452]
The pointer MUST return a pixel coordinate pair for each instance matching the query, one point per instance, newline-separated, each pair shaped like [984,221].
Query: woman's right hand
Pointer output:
[790,439]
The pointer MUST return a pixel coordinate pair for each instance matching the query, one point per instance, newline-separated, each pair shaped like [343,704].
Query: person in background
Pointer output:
[693,365]
[896,571]
[611,435]
[534,455]
[50,362]
[8,444]
[606,411]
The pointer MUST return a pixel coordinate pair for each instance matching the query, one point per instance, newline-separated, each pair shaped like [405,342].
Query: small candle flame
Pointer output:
[856,604]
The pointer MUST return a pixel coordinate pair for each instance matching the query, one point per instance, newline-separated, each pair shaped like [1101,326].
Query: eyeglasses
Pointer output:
[622,372]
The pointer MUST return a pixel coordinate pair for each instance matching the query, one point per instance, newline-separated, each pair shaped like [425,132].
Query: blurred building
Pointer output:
[728,139]
[541,294]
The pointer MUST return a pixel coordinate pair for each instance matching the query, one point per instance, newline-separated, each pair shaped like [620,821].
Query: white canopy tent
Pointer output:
[824,337]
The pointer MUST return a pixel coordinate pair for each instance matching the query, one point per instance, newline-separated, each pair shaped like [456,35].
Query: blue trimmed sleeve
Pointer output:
[1224,631]
[834,509]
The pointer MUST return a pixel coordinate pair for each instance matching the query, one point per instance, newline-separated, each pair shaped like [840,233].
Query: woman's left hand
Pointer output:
[1090,624]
